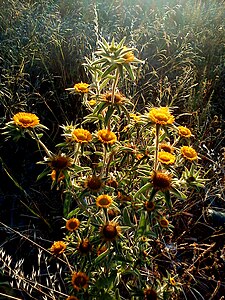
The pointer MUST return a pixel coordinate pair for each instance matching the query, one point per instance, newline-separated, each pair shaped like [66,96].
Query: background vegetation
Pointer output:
[43,45]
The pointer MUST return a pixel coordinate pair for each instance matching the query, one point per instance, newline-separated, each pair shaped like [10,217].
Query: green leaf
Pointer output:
[178,194]
[120,68]
[104,83]
[43,174]
[142,224]
[99,108]
[109,114]
[73,213]
[126,217]
[109,70]
[143,189]
[153,193]
[67,204]
[168,199]
[101,257]
[130,71]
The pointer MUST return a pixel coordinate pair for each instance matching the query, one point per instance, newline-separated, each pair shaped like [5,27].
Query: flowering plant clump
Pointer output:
[123,182]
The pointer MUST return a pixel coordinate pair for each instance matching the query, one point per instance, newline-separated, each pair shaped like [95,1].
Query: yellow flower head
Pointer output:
[113,183]
[72,224]
[112,213]
[81,88]
[164,223]
[26,120]
[60,162]
[81,135]
[166,147]
[101,250]
[110,231]
[84,247]
[92,102]
[161,115]
[150,294]
[104,201]
[172,281]
[135,117]
[166,158]
[184,131]
[123,197]
[161,181]
[60,176]
[106,136]
[79,280]
[149,205]
[93,183]
[128,56]
[118,98]
[189,153]
[72,298]
[58,247]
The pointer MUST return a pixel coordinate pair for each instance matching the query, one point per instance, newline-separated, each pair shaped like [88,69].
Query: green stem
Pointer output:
[114,85]
[77,147]
[104,165]
[34,136]
[156,146]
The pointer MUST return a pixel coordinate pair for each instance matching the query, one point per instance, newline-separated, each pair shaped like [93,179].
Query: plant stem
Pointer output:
[156,146]
[114,85]
[34,136]
[77,148]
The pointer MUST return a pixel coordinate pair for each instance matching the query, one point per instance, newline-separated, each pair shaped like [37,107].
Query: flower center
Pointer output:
[104,201]
[80,281]
[109,231]
[161,117]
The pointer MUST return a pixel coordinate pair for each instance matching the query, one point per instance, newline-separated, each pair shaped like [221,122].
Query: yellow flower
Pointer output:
[161,181]
[60,162]
[106,136]
[79,280]
[93,183]
[81,135]
[150,294]
[81,87]
[113,183]
[166,147]
[184,131]
[54,175]
[123,197]
[92,102]
[72,298]
[149,206]
[72,224]
[166,158]
[161,115]
[128,56]
[172,281]
[101,250]
[58,247]
[139,156]
[84,247]
[135,117]
[189,153]
[110,231]
[118,98]
[26,120]
[112,213]
[164,223]
[104,201]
